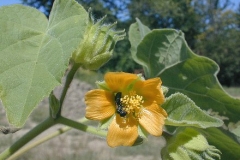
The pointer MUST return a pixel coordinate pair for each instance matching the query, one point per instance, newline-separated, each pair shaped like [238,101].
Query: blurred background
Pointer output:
[211,27]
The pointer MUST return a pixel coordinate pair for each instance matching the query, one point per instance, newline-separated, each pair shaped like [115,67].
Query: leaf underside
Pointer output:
[34,53]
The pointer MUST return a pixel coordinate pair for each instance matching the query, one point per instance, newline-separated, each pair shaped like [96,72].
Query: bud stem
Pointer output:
[68,81]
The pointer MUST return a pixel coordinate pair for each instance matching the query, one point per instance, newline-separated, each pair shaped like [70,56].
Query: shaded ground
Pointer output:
[76,145]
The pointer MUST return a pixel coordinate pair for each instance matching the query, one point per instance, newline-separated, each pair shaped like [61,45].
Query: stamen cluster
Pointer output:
[132,104]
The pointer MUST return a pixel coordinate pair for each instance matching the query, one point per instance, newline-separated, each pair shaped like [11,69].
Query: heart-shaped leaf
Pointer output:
[35,53]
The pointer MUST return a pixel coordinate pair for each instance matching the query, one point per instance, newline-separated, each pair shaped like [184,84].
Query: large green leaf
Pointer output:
[34,53]
[196,78]
[182,111]
[164,53]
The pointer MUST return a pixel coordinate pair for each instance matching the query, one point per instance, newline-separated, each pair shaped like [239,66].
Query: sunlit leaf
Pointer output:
[182,111]
[34,53]
[196,78]
[164,53]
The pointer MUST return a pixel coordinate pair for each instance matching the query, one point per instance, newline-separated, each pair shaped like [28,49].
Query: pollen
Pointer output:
[132,104]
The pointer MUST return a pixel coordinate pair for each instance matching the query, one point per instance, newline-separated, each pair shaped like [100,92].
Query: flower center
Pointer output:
[132,104]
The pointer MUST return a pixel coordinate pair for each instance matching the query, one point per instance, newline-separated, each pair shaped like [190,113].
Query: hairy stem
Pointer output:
[68,81]
[44,139]
[82,127]
[49,122]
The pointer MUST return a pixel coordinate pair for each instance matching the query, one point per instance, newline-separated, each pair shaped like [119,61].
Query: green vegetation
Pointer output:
[202,120]
[204,24]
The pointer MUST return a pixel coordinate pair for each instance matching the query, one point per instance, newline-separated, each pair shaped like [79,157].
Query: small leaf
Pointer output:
[102,85]
[188,144]
[142,132]
[182,111]
[106,122]
[35,53]
[137,32]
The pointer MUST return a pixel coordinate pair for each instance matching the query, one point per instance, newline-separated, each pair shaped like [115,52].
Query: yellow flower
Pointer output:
[132,102]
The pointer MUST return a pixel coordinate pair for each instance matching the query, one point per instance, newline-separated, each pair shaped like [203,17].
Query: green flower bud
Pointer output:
[189,143]
[54,105]
[97,45]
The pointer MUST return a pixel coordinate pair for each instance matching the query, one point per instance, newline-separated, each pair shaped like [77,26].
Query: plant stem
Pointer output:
[42,140]
[68,81]
[49,122]
[82,127]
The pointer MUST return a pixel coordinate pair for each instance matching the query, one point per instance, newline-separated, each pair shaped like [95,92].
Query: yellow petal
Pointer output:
[150,90]
[121,133]
[118,81]
[100,104]
[152,119]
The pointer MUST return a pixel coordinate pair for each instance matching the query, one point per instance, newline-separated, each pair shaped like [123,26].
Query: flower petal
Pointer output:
[122,133]
[100,104]
[151,90]
[152,119]
[119,81]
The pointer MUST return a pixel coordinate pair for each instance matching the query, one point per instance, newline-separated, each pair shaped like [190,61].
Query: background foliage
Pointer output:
[211,29]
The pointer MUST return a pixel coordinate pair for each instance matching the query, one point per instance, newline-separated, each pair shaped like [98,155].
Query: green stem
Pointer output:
[49,122]
[82,127]
[68,81]
[42,140]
